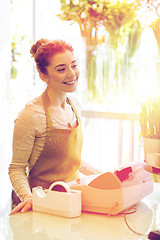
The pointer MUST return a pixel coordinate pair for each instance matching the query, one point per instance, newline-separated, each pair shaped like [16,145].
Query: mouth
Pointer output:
[70,82]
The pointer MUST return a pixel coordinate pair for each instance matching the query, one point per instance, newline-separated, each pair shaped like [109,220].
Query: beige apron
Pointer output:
[61,156]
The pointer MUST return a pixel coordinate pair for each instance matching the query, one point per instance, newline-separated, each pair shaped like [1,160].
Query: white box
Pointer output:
[66,204]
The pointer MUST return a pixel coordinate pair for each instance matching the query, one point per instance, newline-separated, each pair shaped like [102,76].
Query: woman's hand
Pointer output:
[23,207]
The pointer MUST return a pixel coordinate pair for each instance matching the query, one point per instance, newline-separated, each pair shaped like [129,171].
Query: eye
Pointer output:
[61,69]
[74,66]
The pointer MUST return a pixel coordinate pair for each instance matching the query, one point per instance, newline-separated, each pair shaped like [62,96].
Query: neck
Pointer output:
[56,99]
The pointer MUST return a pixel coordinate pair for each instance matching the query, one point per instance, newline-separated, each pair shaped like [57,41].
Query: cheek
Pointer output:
[59,77]
[55,79]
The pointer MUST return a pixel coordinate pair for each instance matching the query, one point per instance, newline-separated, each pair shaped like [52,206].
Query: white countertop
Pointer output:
[89,226]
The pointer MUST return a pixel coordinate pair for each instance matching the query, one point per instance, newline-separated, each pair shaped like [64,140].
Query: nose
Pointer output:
[71,72]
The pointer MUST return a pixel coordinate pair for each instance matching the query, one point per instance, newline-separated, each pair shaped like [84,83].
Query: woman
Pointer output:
[47,139]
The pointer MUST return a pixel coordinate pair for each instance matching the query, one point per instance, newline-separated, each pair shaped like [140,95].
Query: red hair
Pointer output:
[43,50]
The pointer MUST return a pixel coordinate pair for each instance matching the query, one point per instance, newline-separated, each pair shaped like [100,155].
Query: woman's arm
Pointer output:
[87,169]
[23,143]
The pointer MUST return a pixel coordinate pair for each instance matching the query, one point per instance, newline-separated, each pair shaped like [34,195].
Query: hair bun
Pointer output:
[38,44]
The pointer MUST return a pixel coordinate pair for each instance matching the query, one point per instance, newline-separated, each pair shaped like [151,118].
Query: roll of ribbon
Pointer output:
[60,186]
[153,159]
[150,168]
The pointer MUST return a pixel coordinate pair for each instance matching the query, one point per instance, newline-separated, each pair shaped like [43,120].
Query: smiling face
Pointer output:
[62,73]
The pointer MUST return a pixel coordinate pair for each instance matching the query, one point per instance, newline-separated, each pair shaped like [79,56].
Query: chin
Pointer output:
[72,90]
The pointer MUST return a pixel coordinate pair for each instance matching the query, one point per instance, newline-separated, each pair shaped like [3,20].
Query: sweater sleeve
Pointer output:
[87,169]
[23,141]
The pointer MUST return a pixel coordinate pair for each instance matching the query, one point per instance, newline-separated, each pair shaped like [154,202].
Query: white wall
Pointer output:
[5,121]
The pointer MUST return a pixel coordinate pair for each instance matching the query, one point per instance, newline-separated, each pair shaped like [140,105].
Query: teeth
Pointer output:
[70,82]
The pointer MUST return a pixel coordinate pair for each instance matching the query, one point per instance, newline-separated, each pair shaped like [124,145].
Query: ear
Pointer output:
[43,77]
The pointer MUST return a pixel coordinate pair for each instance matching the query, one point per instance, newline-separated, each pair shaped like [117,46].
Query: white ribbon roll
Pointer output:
[62,184]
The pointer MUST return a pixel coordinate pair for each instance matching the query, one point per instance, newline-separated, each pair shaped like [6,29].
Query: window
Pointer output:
[103,144]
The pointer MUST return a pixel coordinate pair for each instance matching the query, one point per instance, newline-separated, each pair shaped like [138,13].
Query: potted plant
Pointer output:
[109,25]
[150,128]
